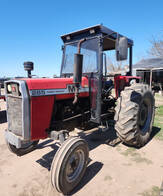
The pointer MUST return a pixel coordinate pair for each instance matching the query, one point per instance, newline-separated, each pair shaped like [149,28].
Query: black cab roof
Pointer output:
[109,36]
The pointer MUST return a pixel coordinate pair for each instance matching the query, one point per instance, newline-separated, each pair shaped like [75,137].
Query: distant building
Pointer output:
[151,72]
[2,80]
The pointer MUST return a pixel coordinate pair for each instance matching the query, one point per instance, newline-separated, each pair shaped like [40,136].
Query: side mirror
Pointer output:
[78,66]
[121,48]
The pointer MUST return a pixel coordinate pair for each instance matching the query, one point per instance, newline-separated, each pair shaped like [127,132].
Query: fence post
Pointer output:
[150,78]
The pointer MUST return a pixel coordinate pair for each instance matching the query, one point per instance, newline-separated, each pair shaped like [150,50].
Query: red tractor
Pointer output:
[39,108]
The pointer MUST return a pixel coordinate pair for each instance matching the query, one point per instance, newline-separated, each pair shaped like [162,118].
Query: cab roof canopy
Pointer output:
[97,30]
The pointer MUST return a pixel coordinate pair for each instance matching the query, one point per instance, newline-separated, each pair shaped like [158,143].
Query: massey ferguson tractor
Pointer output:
[40,108]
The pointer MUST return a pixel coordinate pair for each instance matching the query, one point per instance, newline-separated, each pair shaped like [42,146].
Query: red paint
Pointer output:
[121,81]
[42,106]
[51,83]
[2,97]
[13,89]
[41,112]
[71,95]
[94,90]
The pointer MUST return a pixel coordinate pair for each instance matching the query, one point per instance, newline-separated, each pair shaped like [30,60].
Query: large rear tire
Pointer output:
[135,114]
[69,165]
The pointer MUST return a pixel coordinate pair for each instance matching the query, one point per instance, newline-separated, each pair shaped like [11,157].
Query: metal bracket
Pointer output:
[59,135]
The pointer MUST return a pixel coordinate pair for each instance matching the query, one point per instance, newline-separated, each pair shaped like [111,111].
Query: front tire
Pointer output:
[135,114]
[69,165]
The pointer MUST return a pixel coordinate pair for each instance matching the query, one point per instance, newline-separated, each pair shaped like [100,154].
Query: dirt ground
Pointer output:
[112,171]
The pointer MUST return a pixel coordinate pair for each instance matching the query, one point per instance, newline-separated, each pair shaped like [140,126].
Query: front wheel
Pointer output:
[69,164]
[135,114]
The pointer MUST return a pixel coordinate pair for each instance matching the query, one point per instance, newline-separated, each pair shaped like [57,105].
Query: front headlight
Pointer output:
[13,88]
[9,88]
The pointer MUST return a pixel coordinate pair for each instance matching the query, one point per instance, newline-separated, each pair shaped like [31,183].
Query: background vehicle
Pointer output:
[1,94]
[46,107]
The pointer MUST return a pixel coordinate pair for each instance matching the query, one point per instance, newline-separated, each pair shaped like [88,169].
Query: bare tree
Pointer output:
[114,66]
[156,49]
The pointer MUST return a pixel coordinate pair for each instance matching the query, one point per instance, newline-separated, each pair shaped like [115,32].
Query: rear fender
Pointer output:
[121,81]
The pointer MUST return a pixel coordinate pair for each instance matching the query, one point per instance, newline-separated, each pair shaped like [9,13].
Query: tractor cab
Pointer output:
[84,55]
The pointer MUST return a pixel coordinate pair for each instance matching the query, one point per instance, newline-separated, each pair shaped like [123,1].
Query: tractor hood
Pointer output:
[52,83]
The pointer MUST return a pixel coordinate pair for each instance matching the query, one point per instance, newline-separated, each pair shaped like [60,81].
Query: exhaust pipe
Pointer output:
[78,66]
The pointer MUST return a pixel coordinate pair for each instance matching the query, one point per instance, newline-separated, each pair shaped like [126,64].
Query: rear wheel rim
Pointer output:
[145,115]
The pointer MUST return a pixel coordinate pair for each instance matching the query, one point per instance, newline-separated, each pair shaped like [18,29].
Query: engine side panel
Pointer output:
[41,112]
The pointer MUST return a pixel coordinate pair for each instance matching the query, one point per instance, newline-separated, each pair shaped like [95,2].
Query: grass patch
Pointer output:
[139,159]
[158,122]
[129,151]
[160,110]
[154,191]
[136,157]
[158,95]
[108,178]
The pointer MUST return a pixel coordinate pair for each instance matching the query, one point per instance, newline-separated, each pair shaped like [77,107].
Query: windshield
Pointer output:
[113,66]
[89,49]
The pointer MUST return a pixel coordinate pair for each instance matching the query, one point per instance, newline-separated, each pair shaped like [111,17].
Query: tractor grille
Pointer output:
[14,112]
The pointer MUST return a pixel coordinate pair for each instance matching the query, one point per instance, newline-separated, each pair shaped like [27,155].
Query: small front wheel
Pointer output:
[69,164]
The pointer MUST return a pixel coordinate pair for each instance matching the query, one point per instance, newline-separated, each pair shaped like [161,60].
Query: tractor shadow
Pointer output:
[46,160]
[94,140]
[155,131]
[3,116]
[90,173]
